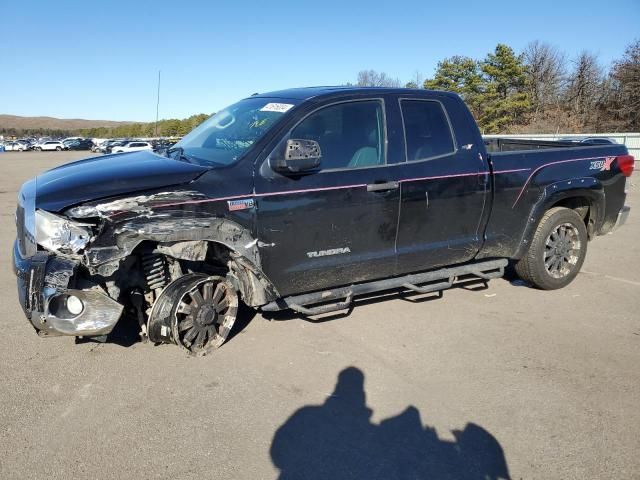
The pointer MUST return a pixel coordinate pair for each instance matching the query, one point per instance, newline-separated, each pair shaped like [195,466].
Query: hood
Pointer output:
[99,177]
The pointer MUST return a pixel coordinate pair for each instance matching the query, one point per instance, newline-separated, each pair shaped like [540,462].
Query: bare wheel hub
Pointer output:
[206,315]
[196,311]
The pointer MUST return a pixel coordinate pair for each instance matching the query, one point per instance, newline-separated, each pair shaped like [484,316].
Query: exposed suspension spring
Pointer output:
[155,270]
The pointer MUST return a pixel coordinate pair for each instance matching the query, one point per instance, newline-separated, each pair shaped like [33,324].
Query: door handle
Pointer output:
[382,187]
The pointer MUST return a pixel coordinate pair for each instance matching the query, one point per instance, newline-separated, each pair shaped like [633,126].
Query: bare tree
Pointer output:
[625,77]
[546,71]
[584,88]
[372,78]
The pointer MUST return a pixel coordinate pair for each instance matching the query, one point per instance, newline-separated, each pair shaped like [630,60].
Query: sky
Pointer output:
[100,60]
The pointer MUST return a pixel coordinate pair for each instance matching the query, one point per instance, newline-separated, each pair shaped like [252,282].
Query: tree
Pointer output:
[506,100]
[546,74]
[416,82]
[625,75]
[461,75]
[584,90]
[372,78]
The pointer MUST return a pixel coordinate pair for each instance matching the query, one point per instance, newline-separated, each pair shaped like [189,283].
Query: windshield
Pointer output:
[224,137]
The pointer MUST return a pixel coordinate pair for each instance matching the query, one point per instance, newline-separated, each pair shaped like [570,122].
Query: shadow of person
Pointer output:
[337,440]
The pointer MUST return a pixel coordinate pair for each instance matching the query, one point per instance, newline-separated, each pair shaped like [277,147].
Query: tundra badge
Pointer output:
[333,251]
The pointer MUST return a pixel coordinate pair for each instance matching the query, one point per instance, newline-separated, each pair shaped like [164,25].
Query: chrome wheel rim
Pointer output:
[562,250]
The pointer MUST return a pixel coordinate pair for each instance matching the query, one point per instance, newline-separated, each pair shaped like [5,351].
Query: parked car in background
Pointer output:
[84,144]
[25,142]
[112,144]
[50,145]
[160,146]
[590,140]
[102,146]
[14,147]
[96,142]
[132,147]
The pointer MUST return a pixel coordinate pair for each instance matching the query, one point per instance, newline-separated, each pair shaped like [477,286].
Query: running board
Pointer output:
[303,303]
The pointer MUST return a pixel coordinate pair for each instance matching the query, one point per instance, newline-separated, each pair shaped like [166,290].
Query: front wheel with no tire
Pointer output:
[195,311]
[557,251]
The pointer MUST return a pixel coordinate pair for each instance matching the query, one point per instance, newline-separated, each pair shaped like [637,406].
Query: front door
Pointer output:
[338,225]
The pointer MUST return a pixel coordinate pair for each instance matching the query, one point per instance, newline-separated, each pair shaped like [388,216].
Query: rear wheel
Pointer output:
[58,149]
[557,251]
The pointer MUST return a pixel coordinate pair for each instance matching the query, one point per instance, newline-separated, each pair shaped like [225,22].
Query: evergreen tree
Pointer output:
[506,100]
[461,75]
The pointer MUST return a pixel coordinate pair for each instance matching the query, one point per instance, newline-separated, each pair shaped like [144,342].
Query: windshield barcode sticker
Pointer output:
[276,107]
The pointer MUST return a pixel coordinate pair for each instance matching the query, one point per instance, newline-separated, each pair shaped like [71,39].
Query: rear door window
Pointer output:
[427,130]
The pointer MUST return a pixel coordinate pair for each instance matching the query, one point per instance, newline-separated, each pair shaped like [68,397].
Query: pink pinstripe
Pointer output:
[547,165]
[323,189]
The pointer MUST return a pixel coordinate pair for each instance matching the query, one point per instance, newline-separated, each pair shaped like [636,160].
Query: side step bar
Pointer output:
[303,303]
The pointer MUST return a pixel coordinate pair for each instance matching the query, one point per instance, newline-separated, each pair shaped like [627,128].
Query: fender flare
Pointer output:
[586,187]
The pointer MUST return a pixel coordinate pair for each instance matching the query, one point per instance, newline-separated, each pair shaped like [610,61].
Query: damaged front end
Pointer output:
[47,255]
[53,306]
[173,270]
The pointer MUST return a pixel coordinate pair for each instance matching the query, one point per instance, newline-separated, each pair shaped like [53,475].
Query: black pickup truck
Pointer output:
[303,199]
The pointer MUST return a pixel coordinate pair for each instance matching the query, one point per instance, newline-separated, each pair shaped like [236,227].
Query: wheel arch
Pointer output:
[583,195]
[219,240]
[241,261]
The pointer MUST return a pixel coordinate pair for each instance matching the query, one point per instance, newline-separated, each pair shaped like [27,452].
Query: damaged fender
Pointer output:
[180,233]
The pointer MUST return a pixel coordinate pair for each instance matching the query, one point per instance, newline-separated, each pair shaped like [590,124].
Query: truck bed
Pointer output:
[528,172]
[494,145]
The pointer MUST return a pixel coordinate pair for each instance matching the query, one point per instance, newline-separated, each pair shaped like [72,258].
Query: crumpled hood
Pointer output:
[99,177]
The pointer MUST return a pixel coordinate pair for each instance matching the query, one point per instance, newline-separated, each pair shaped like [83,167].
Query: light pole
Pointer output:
[157,105]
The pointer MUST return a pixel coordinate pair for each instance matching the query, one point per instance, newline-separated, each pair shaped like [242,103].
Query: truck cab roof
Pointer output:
[307,93]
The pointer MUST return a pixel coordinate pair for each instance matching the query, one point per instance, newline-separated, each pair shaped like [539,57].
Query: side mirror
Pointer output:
[299,156]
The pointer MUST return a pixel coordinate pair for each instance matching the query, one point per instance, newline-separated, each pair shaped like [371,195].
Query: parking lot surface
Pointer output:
[502,382]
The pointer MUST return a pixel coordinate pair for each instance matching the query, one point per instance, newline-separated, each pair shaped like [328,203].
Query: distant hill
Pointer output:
[15,126]
[51,123]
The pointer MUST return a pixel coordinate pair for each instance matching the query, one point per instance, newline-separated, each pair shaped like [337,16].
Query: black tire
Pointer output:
[557,251]
[38,149]
[58,149]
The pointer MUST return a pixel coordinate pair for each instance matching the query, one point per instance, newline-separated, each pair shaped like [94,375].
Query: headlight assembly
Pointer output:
[57,233]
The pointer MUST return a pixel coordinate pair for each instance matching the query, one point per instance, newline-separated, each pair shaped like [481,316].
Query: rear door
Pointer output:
[444,187]
[338,225]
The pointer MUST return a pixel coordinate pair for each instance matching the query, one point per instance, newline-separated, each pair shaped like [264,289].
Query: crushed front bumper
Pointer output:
[43,287]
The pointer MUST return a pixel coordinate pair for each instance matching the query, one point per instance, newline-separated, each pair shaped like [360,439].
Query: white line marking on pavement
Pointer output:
[610,277]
